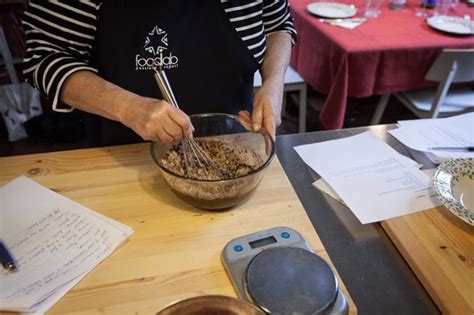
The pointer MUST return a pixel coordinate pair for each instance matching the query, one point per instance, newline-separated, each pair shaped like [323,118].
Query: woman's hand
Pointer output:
[152,119]
[268,98]
[266,111]
[158,121]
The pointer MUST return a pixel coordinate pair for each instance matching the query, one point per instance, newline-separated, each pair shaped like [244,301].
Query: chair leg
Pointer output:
[382,104]
[442,91]
[284,102]
[7,57]
[303,106]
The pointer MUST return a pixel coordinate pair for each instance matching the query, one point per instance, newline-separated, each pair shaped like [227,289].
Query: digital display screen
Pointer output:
[262,242]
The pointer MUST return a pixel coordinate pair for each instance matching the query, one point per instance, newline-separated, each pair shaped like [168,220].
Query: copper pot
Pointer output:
[211,305]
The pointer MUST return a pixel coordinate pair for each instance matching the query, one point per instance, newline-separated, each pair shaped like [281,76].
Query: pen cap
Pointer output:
[6,258]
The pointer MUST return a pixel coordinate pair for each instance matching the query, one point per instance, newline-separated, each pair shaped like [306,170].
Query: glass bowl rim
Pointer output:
[264,165]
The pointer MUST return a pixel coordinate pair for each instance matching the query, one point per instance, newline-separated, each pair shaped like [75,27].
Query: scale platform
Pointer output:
[276,270]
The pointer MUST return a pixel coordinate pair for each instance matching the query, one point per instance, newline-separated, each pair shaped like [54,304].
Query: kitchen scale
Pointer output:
[277,270]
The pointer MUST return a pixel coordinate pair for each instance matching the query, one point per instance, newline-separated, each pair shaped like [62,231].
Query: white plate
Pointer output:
[332,10]
[452,24]
[453,182]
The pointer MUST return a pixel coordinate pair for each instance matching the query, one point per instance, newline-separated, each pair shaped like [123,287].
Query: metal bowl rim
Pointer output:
[210,296]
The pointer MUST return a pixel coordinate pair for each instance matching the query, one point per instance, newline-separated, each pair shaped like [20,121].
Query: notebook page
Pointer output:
[53,239]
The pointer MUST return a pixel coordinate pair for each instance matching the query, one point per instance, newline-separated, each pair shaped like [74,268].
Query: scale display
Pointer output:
[277,270]
[262,242]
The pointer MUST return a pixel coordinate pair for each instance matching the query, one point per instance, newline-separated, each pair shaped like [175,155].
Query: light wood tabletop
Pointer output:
[175,250]
[440,249]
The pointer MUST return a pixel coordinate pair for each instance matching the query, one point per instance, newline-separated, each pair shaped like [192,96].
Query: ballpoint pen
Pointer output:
[468,148]
[6,258]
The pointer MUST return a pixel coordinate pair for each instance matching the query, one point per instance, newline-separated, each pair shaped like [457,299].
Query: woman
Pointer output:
[99,56]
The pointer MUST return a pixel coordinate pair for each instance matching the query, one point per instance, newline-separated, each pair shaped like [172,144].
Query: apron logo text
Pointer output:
[160,61]
[156,47]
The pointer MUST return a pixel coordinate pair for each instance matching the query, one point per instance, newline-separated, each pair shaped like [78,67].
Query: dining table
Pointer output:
[387,54]
[415,264]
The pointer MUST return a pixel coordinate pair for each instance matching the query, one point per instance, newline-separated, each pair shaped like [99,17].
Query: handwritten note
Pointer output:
[55,242]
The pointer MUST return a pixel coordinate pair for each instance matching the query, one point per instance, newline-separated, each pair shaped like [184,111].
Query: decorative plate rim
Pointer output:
[442,186]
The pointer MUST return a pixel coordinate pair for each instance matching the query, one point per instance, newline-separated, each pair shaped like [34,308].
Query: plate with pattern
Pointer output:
[453,182]
[332,10]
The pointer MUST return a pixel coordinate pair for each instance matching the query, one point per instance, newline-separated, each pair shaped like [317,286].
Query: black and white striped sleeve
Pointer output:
[277,18]
[255,19]
[59,38]
[246,17]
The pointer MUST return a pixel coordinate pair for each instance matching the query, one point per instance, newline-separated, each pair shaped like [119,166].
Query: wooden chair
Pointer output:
[451,66]
[293,82]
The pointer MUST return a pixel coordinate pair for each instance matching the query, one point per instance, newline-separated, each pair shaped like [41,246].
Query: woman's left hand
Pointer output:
[266,111]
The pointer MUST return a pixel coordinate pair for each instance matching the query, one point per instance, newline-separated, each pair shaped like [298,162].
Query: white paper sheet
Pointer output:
[323,186]
[371,177]
[456,131]
[55,242]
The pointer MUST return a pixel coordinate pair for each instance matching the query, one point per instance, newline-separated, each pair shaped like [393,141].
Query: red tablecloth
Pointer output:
[387,54]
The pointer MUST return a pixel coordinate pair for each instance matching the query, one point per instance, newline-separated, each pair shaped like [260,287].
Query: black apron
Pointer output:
[208,65]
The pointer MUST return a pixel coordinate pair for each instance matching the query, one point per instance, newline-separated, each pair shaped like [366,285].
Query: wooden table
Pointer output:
[440,250]
[438,247]
[175,250]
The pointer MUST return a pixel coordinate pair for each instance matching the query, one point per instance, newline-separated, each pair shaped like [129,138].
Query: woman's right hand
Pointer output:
[158,121]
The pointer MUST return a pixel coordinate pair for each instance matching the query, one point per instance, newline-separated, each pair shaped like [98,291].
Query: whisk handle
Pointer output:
[165,87]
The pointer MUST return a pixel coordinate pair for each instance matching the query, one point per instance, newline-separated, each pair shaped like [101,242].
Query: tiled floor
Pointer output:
[65,131]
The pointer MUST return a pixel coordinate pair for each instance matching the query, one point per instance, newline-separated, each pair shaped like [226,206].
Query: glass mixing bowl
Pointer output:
[219,194]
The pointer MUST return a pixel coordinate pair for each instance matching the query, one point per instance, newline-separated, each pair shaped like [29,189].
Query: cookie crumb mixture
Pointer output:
[231,160]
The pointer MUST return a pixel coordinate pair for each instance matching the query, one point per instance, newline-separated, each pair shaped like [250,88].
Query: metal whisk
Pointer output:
[192,151]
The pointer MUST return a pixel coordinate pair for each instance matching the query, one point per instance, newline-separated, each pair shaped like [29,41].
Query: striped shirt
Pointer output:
[60,36]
